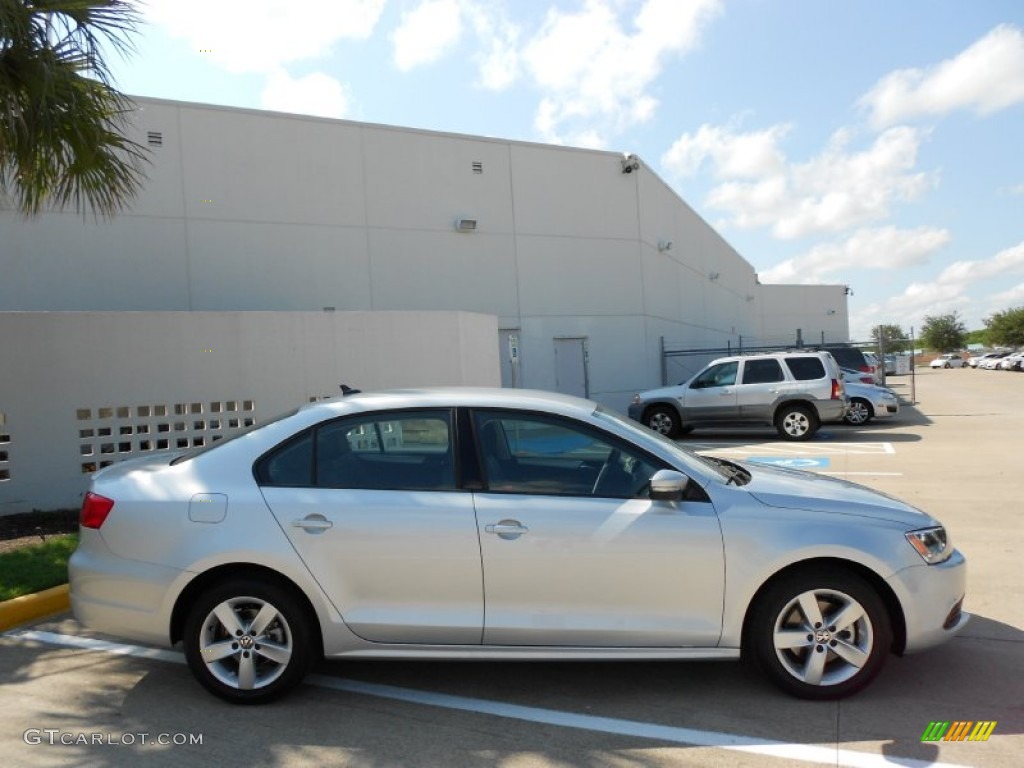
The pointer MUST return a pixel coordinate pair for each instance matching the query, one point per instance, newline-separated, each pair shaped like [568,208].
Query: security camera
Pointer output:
[630,163]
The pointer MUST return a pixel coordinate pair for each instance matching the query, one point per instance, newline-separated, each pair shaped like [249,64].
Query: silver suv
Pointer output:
[793,391]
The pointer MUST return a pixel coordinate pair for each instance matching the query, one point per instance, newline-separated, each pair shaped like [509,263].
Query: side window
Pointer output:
[288,465]
[721,375]
[394,451]
[533,454]
[806,368]
[762,371]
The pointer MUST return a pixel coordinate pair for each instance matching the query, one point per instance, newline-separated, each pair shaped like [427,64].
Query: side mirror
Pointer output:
[668,485]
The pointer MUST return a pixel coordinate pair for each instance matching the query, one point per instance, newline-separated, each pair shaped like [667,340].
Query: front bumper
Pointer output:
[930,596]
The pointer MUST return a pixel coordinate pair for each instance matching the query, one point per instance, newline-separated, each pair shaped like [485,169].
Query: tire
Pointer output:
[819,634]
[947,365]
[796,422]
[248,642]
[663,419]
[860,412]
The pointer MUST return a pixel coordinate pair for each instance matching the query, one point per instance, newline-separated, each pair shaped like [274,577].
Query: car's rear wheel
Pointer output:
[248,641]
[796,422]
[820,635]
[664,420]
[859,412]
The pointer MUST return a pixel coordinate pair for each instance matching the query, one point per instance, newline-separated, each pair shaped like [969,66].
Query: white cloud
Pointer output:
[498,59]
[595,73]
[735,155]
[1007,262]
[1012,297]
[986,78]
[426,32]
[947,292]
[882,248]
[838,189]
[264,35]
[313,94]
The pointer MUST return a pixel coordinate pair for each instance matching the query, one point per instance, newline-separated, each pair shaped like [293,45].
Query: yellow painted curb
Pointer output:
[30,607]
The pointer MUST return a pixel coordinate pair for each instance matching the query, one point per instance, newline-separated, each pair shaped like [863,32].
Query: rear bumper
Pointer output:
[120,597]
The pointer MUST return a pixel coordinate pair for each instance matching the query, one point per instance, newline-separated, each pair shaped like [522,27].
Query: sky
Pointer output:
[876,144]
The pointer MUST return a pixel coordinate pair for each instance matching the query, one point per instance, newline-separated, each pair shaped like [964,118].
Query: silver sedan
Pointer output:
[502,524]
[867,401]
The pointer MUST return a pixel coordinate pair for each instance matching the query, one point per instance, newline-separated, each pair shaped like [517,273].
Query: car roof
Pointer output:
[450,397]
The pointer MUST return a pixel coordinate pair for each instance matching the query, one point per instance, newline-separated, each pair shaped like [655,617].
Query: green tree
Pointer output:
[944,333]
[1006,328]
[890,338]
[979,336]
[63,125]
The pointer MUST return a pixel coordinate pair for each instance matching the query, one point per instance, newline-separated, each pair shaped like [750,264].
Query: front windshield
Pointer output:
[641,432]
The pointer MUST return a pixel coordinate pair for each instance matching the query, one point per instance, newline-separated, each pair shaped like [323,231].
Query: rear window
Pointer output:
[762,371]
[806,368]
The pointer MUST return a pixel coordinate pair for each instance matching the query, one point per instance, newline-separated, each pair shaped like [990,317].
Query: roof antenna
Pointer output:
[347,390]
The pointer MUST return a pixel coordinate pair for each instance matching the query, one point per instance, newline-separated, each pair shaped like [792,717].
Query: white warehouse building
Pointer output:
[588,265]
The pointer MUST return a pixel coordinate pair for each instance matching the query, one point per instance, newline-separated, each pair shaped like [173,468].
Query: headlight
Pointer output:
[931,544]
[636,400]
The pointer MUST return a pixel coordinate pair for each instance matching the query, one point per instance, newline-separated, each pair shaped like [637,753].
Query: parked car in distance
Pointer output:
[991,362]
[867,401]
[793,391]
[876,366]
[379,525]
[948,360]
[977,360]
[851,376]
[889,363]
[851,357]
[1012,362]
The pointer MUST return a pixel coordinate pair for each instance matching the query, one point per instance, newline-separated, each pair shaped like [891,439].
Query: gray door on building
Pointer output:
[508,353]
[571,367]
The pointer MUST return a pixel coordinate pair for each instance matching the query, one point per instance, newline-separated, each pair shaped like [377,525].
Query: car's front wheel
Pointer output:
[859,412]
[248,641]
[820,635]
[796,422]
[663,419]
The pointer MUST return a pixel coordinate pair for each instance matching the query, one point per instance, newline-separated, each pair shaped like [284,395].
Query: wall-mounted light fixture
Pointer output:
[830,312]
[849,290]
[630,163]
[465,225]
[712,276]
[664,245]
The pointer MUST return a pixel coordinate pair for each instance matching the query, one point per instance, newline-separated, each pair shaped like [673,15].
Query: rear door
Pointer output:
[761,382]
[371,505]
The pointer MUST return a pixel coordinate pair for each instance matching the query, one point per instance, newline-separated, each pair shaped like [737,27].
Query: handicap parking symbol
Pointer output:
[792,462]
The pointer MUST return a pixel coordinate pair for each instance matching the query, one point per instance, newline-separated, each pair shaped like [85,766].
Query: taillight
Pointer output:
[835,389]
[95,509]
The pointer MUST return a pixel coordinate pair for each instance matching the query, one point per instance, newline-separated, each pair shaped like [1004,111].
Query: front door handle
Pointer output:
[507,529]
[313,523]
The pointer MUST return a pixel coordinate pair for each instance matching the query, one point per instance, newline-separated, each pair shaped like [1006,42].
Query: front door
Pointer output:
[575,554]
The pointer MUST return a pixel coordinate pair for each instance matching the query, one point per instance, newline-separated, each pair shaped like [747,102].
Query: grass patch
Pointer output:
[36,567]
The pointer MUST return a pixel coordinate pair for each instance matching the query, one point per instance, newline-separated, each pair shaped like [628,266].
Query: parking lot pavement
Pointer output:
[953,455]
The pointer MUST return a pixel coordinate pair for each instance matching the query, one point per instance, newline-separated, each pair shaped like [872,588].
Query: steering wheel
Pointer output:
[610,464]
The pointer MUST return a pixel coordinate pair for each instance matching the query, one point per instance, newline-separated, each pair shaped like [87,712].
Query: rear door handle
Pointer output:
[313,523]
[507,529]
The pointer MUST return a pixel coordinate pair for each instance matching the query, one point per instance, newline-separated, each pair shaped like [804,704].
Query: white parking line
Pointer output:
[825,755]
